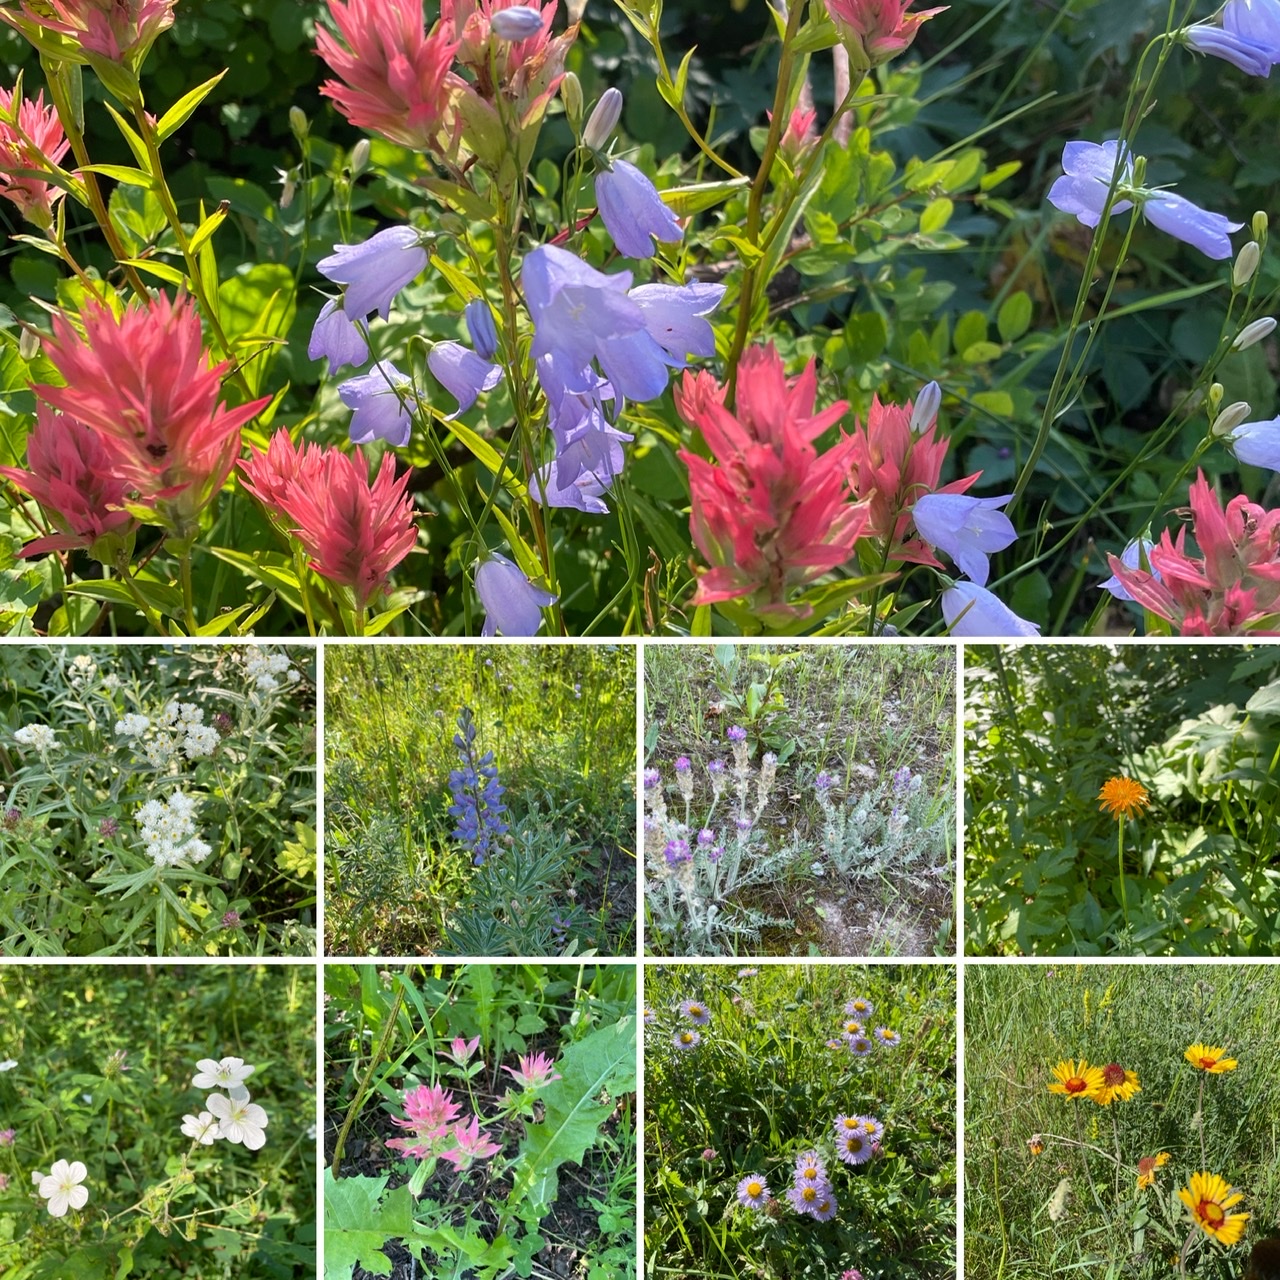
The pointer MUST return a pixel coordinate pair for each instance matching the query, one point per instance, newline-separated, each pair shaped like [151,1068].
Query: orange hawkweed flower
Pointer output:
[1117,1083]
[1208,1197]
[1073,1081]
[1147,1167]
[1209,1058]
[1123,797]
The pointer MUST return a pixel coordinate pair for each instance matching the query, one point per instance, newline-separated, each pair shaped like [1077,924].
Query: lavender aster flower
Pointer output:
[686,1039]
[462,373]
[379,413]
[859,1008]
[810,1169]
[859,1046]
[375,271]
[888,1037]
[336,336]
[696,1012]
[512,604]
[753,1192]
[649,1016]
[633,211]
[826,1207]
[854,1148]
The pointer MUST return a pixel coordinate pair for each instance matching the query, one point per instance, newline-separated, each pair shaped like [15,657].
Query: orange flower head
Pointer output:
[1123,797]
[1208,1197]
[1210,1058]
[1117,1084]
[1147,1167]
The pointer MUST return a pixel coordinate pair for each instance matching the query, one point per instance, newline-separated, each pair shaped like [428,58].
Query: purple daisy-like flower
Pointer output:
[747,973]
[649,1016]
[854,1148]
[835,1044]
[888,1037]
[737,733]
[859,1008]
[872,1128]
[852,1027]
[805,1197]
[859,1046]
[686,1039]
[753,1192]
[696,1012]
[826,1207]
[809,1168]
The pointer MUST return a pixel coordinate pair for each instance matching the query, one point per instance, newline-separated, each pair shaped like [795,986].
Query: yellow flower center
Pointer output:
[753,1189]
[1211,1213]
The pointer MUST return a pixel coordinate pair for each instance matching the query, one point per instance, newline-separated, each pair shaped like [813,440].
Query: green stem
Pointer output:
[1124,902]
[367,1079]
[188,592]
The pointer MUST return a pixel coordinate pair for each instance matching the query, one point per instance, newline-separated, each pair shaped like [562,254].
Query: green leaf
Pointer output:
[936,214]
[1266,702]
[122,173]
[971,328]
[474,206]
[161,270]
[207,228]
[180,112]
[359,1220]
[136,144]
[1014,317]
[989,181]
[683,201]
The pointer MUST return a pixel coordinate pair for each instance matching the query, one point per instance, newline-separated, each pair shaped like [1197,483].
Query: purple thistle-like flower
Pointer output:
[753,1191]
[633,212]
[108,827]
[462,373]
[823,781]
[231,920]
[14,816]
[337,337]
[851,1274]
[378,410]
[376,270]
[737,733]
[682,764]
[224,724]
[715,767]
[512,604]
[706,836]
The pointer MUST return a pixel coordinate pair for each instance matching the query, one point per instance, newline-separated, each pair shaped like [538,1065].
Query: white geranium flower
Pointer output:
[62,1187]
[203,1128]
[229,1074]
[239,1120]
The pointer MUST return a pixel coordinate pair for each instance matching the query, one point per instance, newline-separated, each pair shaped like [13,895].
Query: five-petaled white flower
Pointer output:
[203,1128]
[62,1187]
[239,1120]
[8,1064]
[229,1074]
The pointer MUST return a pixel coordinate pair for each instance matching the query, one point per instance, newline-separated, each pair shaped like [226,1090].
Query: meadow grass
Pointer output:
[1020,1022]
[560,722]
[762,1086]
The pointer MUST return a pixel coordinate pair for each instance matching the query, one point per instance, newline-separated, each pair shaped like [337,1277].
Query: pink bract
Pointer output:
[116,30]
[536,1069]
[472,1144]
[882,28]
[36,142]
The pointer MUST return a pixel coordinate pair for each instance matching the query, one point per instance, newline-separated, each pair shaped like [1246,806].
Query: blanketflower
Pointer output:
[375,270]
[535,1070]
[35,142]
[1210,1058]
[144,383]
[1076,1081]
[71,475]
[62,1189]
[1147,1167]
[394,78]
[1249,37]
[1208,1196]
[1123,797]
[967,529]
[239,1120]
[512,604]
[633,211]
[770,514]
[880,29]
[463,373]
[119,31]
[972,610]
[1118,1085]
[1234,589]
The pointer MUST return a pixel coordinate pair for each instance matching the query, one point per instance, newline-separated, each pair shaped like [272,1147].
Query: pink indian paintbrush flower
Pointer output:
[355,531]
[472,1144]
[881,29]
[430,1112]
[119,31]
[535,1070]
[143,381]
[71,475]
[31,138]
[394,78]
[892,467]
[771,514]
[1232,589]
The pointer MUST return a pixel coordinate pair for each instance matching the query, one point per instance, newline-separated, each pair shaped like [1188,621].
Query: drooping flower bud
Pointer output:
[1254,332]
[484,335]
[925,410]
[1216,392]
[1246,264]
[1230,418]
[571,96]
[604,119]
[359,157]
[298,123]
[520,22]
[1259,225]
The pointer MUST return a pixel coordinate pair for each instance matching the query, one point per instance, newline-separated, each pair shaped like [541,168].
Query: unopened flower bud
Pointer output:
[29,344]
[1216,391]
[1253,332]
[1259,225]
[359,157]
[484,334]
[571,96]
[520,22]
[1246,264]
[604,119]
[1230,418]
[925,411]
[298,123]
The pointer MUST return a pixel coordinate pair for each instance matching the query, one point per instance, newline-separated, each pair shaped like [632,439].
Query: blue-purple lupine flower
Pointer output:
[375,271]
[463,373]
[1131,558]
[1257,443]
[477,794]
[706,836]
[337,337]
[651,779]
[823,781]
[512,604]
[677,852]
[901,781]
[967,529]
[484,333]
[1249,37]
[633,212]
[379,411]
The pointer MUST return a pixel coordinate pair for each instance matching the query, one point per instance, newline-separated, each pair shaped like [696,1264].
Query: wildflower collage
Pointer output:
[639,638]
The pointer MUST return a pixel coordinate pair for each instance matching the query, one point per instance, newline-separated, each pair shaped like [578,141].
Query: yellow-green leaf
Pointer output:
[178,114]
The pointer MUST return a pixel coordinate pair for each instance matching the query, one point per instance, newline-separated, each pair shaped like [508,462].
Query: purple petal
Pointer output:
[633,210]
[512,604]
[462,373]
[972,610]
[337,337]
[1178,217]
[379,413]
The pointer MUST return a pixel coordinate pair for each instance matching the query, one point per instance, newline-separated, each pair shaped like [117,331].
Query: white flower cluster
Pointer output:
[233,1117]
[179,727]
[132,725]
[266,669]
[39,736]
[82,671]
[169,832]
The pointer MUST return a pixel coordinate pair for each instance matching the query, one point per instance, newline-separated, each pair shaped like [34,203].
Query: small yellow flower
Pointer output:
[1147,1167]
[1117,1083]
[1123,797]
[1074,1081]
[1208,1197]
[1209,1058]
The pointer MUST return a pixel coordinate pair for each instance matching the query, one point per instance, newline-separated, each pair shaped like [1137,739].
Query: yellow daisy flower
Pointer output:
[1123,797]
[1209,1058]
[1147,1167]
[1074,1081]
[1117,1083]
[1208,1198]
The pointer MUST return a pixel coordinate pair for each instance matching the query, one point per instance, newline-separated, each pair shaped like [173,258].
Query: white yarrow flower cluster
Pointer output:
[169,832]
[233,1117]
[39,736]
[132,725]
[266,669]
[82,671]
[179,727]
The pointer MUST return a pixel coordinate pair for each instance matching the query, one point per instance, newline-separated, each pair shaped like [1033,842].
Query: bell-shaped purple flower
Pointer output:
[603,119]
[972,610]
[512,604]
[337,337]
[1257,443]
[1131,558]
[484,333]
[380,405]
[1087,170]
[674,316]
[520,22]
[967,529]
[1249,37]
[633,210]
[581,473]
[462,373]
[1195,226]
[375,271]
